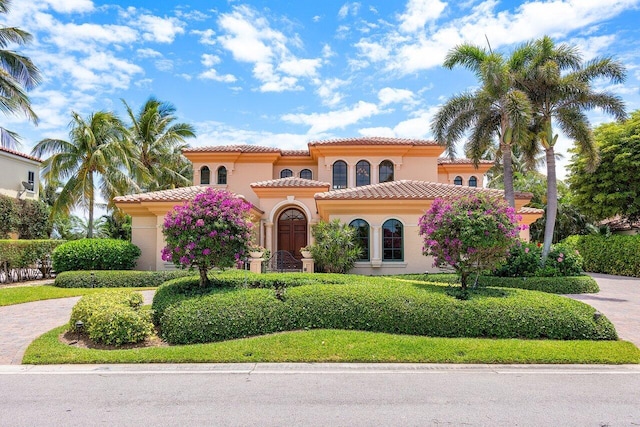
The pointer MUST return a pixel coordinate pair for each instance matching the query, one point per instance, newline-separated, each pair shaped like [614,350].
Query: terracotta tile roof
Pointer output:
[617,223]
[295,152]
[232,149]
[528,210]
[290,182]
[408,190]
[373,140]
[19,154]
[461,161]
[173,195]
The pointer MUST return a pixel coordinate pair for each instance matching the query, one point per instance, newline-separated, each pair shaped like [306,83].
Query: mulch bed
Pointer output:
[82,341]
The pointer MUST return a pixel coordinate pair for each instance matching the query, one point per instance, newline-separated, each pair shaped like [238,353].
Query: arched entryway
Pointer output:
[292,231]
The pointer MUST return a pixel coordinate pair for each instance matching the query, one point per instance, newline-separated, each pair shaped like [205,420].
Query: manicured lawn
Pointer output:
[22,294]
[344,346]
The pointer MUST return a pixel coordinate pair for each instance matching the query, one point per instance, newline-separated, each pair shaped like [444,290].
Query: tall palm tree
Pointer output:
[158,142]
[495,110]
[95,157]
[559,85]
[17,75]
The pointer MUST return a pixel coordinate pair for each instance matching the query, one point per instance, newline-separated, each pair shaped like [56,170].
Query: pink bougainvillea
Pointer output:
[470,234]
[212,230]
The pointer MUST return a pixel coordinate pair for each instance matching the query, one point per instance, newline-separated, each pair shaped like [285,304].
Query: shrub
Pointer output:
[113,318]
[9,215]
[335,249]
[177,290]
[383,306]
[524,261]
[470,233]
[19,256]
[211,230]
[552,285]
[95,254]
[34,220]
[615,254]
[116,278]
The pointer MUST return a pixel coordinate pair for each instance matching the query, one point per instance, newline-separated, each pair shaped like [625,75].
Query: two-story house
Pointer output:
[381,186]
[19,174]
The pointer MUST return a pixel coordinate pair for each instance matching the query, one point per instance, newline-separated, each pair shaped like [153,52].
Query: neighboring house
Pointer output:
[19,174]
[381,186]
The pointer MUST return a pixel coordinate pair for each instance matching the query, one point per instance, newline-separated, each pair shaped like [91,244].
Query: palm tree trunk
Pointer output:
[91,203]
[552,202]
[507,175]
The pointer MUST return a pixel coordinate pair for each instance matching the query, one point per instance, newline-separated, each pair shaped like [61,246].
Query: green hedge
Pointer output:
[116,278]
[615,254]
[112,318]
[95,254]
[177,290]
[381,306]
[553,285]
[16,256]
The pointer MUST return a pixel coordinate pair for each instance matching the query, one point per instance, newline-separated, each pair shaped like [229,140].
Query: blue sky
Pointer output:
[281,73]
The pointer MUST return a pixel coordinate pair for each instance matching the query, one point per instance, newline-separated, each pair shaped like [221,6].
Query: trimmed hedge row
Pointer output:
[112,318]
[615,254]
[177,290]
[552,285]
[95,254]
[18,255]
[116,278]
[381,306]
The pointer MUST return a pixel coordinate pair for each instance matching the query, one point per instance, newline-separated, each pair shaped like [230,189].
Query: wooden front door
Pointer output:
[292,232]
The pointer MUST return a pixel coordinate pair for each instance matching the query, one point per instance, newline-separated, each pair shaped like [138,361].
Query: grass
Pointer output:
[324,345]
[22,294]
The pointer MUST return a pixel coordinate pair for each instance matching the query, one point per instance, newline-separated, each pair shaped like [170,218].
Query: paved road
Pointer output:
[20,324]
[619,300]
[320,395]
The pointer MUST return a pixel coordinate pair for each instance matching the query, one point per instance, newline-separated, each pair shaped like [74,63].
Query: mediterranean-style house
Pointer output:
[379,185]
[19,174]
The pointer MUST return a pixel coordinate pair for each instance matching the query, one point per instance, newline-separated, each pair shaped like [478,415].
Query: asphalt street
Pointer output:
[320,395]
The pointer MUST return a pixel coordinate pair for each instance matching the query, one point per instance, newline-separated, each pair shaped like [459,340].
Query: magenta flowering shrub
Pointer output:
[212,230]
[470,234]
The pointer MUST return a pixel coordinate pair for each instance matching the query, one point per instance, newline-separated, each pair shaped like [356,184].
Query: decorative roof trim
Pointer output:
[19,154]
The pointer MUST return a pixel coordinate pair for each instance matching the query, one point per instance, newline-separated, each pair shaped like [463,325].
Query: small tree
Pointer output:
[335,249]
[470,234]
[211,230]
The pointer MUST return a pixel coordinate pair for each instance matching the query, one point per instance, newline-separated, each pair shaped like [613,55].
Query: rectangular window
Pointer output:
[31,181]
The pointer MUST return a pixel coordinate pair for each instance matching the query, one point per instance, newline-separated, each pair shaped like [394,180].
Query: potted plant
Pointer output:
[306,252]
[256,251]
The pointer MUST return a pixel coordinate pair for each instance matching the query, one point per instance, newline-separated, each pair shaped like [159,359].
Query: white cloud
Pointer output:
[159,30]
[418,126]
[316,18]
[418,13]
[377,131]
[148,53]
[328,91]
[591,47]
[348,9]
[209,61]
[206,36]
[164,64]
[216,133]
[375,52]
[389,95]
[85,37]
[338,119]
[71,6]
[250,38]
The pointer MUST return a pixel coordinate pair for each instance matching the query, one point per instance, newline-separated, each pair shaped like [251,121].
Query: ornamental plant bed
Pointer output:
[83,341]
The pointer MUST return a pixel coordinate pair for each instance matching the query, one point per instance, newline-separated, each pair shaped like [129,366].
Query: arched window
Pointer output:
[205,175]
[362,237]
[473,181]
[385,171]
[339,174]
[457,180]
[363,173]
[222,175]
[306,174]
[392,237]
[286,173]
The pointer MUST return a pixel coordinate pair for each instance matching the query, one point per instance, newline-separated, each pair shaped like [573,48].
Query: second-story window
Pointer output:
[339,174]
[31,179]
[306,174]
[222,175]
[286,173]
[363,173]
[205,175]
[386,171]
[457,180]
[473,181]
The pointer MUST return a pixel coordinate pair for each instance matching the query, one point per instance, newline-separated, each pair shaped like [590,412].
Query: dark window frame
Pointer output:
[222,175]
[473,183]
[363,173]
[340,179]
[457,180]
[392,244]
[386,171]
[286,173]
[205,175]
[363,241]
[310,173]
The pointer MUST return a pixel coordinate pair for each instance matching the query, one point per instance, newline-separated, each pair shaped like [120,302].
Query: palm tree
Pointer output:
[17,75]
[559,85]
[95,156]
[496,109]
[159,142]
